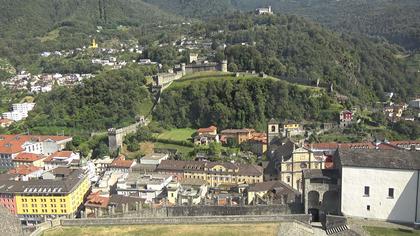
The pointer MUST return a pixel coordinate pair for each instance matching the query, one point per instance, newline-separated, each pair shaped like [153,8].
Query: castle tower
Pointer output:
[272,130]
[184,72]
[224,66]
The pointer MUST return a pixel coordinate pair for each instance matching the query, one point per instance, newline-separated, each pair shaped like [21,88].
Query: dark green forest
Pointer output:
[397,21]
[236,103]
[293,48]
[111,99]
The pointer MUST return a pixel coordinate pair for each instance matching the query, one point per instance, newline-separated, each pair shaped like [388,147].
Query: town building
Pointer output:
[380,184]
[61,159]
[19,112]
[154,158]
[26,172]
[102,164]
[40,199]
[346,118]
[207,135]
[215,173]
[291,128]
[271,192]
[25,158]
[120,164]
[149,187]
[264,11]
[415,103]
[187,191]
[12,145]
[4,122]
[236,136]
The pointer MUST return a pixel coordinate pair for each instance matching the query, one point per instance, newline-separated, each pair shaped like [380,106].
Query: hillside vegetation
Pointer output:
[27,18]
[397,21]
[296,49]
[112,99]
[239,102]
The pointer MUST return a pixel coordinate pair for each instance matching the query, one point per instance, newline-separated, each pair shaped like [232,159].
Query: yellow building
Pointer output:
[292,166]
[52,197]
[215,173]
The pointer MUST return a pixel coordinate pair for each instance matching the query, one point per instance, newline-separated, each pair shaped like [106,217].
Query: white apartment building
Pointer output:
[19,112]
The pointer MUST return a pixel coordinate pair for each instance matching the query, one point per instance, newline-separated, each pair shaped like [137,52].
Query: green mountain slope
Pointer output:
[230,102]
[396,20]
[27,18]
[294,48]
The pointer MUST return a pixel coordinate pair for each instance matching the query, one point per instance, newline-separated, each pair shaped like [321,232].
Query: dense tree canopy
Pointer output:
[236,103]
[111,99]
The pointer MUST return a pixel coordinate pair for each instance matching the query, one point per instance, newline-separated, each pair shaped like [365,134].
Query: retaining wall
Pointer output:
[187,220]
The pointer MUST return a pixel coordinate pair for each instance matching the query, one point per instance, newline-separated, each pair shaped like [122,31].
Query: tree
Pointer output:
[100,151]
[215,149]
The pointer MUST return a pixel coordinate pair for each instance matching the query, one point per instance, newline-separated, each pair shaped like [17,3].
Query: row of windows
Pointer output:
[390,192]
[44,200]
[44,205]
[44,211]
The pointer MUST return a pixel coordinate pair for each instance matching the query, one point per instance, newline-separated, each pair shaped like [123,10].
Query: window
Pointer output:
[367,190]
[288,179]
[390,193]
[368,207]
[273,128]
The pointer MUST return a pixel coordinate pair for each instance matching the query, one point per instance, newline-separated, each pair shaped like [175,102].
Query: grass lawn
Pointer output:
[177,134]
[169,230]
[182,149]
[377,231]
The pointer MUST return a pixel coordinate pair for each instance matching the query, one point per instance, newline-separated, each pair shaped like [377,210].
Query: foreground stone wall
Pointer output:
[188,220]
[333,221]
[212,211]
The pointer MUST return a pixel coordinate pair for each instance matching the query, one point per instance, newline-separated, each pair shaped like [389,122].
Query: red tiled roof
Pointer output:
[27,157]
[5,121]
[405,142]
[95,200]
[12,143]
[66,154]
[260,137]
[120,162]
[24,170]
[207,130]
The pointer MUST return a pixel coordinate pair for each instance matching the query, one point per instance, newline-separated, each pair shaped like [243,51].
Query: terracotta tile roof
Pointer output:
[120,162]
[24,170]
[180,166]
[236,131]
[95,200]
[60,154]
[12,143]
[27,157]
[207,130]
[5,121]
[260,137]
[405,142]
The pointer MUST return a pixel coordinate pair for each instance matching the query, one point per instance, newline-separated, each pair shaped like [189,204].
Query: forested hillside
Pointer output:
[27,18]
[396,20]
[294,48]
[239,102]
[111,99]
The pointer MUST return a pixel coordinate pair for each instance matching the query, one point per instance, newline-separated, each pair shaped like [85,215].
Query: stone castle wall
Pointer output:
[187,220]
